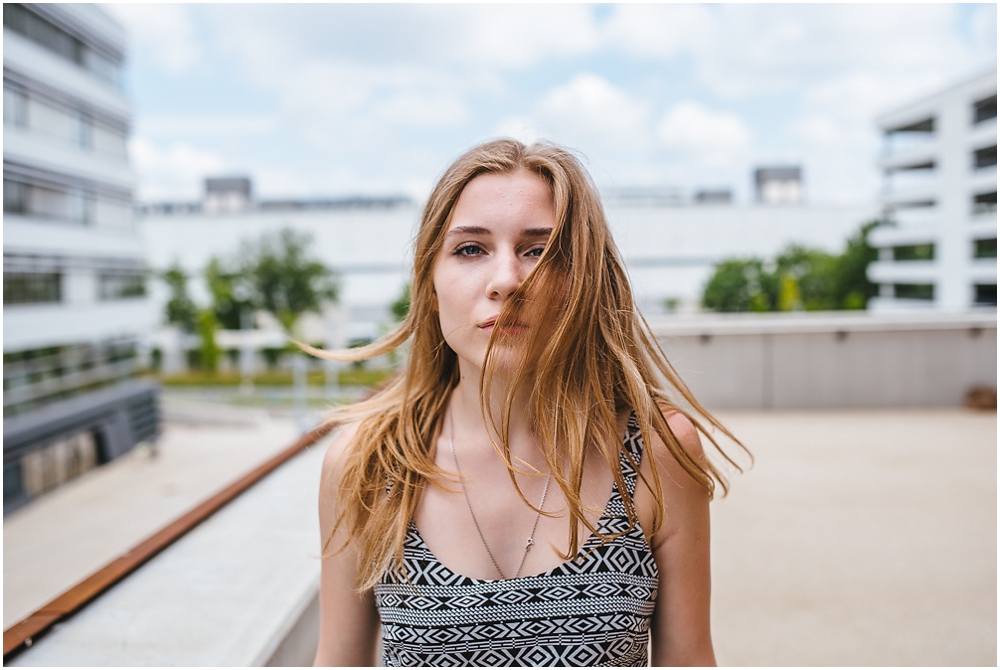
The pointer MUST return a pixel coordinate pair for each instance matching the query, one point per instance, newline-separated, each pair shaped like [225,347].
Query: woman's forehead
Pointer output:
[501,196]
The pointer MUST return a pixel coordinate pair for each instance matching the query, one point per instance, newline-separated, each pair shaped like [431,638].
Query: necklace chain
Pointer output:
[468,503]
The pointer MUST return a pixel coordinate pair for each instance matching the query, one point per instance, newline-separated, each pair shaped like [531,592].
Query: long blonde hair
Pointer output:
[600,359]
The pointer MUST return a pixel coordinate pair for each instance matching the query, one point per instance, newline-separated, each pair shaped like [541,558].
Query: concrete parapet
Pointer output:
[832,359]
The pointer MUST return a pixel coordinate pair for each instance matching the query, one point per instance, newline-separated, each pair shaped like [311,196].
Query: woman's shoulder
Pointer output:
[683,430]
[337,449]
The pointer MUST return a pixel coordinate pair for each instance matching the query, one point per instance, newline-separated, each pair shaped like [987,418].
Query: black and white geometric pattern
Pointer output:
[594,610]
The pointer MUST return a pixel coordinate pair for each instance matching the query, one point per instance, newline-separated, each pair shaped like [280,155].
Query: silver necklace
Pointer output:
[468,503]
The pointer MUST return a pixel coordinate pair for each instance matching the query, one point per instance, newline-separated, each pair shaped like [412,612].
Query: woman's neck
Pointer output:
[466,407]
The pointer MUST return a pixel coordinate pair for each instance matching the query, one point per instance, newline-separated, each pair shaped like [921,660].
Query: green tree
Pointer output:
[741,285]
[229,290]
[401,307]
[811,272]
[181,310]
[851,288]
[209,350]
[799,278]
[281,276]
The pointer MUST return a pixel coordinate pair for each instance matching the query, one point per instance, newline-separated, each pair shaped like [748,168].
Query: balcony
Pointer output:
[915,218]
[910,187]
[46,325]
[26,58]
[893,236]
[983,179]
[904,272]
[37,150]
[983,134]
[910,154]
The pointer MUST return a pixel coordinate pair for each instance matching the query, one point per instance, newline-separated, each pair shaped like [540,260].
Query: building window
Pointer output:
[59,203]
[985,109]
[119,286]
[14,197]
[914,291]
[913,252]
[14,106]
[985,157]
[986,294]
[985,248]
[22,288]
[107,140]
[38,30]
[984,203]
[21,20]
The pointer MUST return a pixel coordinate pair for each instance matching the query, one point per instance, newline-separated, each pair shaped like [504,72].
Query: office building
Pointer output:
[75,300]
[938,241]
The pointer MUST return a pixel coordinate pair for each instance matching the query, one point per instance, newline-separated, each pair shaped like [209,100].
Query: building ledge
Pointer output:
[240,589]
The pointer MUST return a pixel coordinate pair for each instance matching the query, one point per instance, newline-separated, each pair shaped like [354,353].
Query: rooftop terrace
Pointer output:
[860,537]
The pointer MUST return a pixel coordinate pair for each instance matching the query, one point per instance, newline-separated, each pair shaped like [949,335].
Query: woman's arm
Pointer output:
[681,633]
[348,621]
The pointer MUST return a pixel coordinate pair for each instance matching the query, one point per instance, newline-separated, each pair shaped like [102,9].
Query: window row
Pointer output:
[63,204]
[982,248]
[22,20]
[32,366]
[63,124]
[982,294]
[28,288]
[985,157]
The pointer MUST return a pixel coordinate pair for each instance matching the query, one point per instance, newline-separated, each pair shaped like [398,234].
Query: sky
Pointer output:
[331,100]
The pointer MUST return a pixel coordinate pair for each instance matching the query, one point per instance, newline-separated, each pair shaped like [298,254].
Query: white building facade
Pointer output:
[938,243]
[669,249]
[75,303]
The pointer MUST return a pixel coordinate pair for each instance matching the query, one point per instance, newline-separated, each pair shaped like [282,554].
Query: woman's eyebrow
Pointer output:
[479,230]
[536,232]
[469,230]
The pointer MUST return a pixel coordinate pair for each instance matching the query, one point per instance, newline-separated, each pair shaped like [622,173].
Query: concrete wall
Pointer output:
[793,361]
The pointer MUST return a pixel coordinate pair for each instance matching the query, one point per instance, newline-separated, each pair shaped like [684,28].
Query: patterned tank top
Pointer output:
[593,610]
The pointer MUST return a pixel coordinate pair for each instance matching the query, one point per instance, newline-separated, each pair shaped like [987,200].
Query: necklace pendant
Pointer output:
[531,541]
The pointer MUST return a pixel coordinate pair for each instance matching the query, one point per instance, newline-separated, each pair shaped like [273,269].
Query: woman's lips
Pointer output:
[512,329]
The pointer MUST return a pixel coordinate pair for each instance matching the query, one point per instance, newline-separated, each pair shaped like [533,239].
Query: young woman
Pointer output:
[531,489]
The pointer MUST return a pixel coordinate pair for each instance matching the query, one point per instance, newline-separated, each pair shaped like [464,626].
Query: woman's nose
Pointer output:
[507,276]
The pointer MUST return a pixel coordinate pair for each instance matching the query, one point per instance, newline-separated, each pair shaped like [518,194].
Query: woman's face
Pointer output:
[498,229]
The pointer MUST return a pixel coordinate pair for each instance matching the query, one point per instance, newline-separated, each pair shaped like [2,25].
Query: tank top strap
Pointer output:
[632,446]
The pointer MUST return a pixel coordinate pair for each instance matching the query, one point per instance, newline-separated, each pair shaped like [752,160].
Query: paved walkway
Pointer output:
[64,536]
[859,538]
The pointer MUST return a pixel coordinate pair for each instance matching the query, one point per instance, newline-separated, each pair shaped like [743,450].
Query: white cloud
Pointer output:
[589,106]
[519,128]
[439,35]
[708,137]
[177,172]
[519,35]
[164,30]
[205,125]
[417,108]
[658,30]
[749,50]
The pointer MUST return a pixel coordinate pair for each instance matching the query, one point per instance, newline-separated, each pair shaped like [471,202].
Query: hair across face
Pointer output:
[496,234]
[553,283]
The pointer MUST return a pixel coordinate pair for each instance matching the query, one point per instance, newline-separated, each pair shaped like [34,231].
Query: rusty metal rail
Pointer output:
[22,634]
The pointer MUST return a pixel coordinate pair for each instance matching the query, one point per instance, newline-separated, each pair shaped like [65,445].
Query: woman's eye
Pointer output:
[469,250]
[535,253]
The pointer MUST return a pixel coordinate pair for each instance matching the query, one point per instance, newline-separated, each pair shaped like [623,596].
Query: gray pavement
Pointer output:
[64,536]
[858,538]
